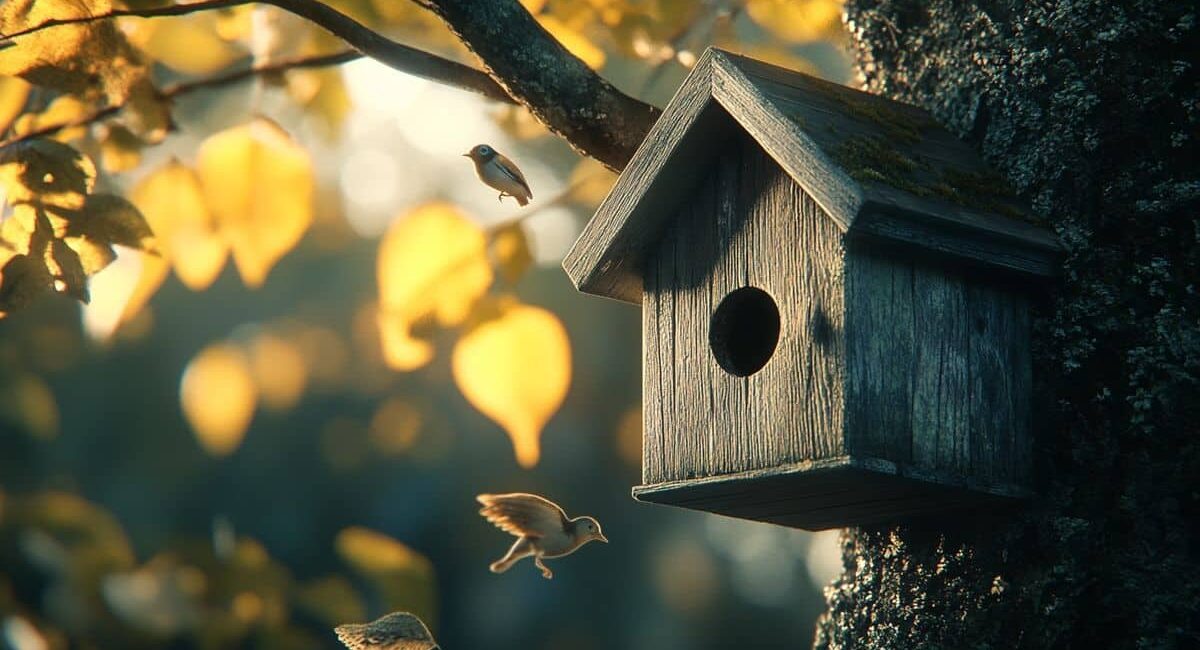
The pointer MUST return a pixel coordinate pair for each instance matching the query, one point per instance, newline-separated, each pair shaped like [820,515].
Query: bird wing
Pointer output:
[513,172]
[396,631]
[523,514]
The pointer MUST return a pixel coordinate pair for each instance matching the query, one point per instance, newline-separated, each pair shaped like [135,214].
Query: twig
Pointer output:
[396,55]
[180,89]
[555,201]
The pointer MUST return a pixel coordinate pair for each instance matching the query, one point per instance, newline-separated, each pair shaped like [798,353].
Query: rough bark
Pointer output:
[1091,108]
[562,92]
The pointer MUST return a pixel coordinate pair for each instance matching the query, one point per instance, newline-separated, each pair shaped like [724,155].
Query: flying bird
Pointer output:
[542,529]
[500,173]
[396,631]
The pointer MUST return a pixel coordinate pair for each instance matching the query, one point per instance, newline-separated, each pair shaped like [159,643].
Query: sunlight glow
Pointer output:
[111,289]
[824,557]
[374,87]
[20,634]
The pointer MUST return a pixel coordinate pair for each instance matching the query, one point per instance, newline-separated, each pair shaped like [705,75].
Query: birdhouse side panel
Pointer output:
[708,409]
[939,374]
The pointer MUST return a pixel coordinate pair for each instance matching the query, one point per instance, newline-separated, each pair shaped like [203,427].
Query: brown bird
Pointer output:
[396,631]
[500,173]
[542,528]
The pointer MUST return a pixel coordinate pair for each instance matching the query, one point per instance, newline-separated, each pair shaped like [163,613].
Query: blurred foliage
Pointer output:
[317,363]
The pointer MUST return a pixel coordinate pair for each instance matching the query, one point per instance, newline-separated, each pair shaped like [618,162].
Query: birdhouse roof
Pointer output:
[880,169]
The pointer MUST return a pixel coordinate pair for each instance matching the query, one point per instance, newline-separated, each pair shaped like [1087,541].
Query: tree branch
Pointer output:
[178,90]
[406,59]
[560,90]
[526,65]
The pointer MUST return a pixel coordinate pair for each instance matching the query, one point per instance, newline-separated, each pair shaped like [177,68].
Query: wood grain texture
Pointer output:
[700,419]
[939,373]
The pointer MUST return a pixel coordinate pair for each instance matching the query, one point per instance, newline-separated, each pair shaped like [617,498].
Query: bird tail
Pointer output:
[522,201]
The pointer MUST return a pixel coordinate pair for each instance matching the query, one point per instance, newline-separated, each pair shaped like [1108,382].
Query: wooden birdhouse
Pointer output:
[835,295]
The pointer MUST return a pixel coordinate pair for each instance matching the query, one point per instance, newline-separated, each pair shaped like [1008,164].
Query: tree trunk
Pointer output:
[1091,108]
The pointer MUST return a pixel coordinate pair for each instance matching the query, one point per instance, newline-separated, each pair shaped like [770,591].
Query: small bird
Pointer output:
[542,529]
[500,173]
[396,631]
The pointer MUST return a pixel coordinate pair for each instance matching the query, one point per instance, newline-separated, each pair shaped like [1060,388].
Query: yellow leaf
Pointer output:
[514,364]
[401,350]
[332,600]
[590,182]
[191,44]
[47,173]
[574,41]
[85,59]
[432,263]
[120,149]
[63,110]
[782,56]
[518,122]
[324,94]
[23,279]
[510,250]
[533,6]
[28,405]
[171,200]
[235,23]
[259,186]
[403,577]
[218,396]
[798,21]
[395,426]
[629,436]
[279,371]
[13,93]
[146,113]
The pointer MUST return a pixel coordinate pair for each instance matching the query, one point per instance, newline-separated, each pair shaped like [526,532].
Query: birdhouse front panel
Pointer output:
[743,319]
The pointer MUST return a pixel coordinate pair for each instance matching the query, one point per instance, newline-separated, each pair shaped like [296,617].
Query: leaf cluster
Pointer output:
[59,231]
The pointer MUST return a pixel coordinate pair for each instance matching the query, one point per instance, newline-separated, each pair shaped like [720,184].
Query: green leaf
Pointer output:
[46,172]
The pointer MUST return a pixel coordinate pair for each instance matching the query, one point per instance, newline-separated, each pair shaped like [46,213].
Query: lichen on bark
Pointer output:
[1091,109]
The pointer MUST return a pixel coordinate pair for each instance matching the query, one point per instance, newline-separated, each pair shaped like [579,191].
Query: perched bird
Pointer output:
[396,631]
[542,529]
[498,172]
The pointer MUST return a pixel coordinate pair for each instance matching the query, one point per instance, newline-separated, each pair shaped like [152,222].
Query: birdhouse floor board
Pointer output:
[828,494]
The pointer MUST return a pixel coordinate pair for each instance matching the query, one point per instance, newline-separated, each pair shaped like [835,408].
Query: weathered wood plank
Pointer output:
[880,333]
[941,372]
[725,238]
[831,493]
[657,370]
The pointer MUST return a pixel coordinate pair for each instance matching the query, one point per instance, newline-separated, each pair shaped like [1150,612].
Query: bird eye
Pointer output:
[485,149]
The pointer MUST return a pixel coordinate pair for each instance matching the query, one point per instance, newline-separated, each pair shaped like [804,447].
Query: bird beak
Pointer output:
[467,155]
[601,537]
